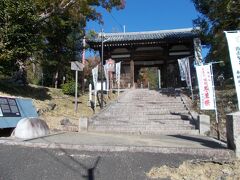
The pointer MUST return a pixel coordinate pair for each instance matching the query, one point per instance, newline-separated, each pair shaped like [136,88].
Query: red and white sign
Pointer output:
[110,65]
[205,84]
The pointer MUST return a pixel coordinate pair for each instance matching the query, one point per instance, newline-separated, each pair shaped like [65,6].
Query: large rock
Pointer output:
[30,128]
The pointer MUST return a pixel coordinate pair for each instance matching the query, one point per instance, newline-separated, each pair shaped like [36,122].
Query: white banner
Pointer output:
[83,51]
[233,39]
[118,72]
[95,80]
[95,77]
[205,84]
[184,68]
[106,72]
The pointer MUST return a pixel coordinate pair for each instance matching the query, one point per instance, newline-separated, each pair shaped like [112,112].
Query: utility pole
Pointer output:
[101,105]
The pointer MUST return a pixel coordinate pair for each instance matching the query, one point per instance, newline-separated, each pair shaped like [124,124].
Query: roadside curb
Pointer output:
[211,153]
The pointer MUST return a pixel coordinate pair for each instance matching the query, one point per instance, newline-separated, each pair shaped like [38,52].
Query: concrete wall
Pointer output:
[233,132]
[203,124]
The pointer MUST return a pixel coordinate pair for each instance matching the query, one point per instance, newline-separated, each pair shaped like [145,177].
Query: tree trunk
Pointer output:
[56,80]
[21,76]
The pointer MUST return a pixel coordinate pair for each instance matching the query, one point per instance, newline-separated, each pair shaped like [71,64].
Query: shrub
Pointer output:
[69,88]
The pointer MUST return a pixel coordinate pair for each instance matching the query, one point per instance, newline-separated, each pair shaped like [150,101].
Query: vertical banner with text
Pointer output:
[198,51]
[106,72]
[205,84]
[95,80]
[84,50]
[233,39]
[184,68]
[185,72]
[118,74]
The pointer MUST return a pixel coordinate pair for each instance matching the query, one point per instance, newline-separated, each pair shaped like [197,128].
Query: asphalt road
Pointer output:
[24,163]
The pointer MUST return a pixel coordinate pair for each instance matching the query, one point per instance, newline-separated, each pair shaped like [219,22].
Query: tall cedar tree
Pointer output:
[217,16]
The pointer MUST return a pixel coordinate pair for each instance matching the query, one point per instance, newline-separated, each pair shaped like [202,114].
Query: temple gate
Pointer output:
[159,49]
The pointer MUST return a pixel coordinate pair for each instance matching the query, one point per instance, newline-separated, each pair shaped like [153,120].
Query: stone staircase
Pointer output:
[143,111]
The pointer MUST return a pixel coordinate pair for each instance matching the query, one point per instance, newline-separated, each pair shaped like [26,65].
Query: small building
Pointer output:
[159,49]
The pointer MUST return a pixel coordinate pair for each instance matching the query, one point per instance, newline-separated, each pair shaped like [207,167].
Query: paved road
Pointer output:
[26,163]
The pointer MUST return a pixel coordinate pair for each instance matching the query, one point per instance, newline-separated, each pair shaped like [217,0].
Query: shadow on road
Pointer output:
[203,141]
[89,170]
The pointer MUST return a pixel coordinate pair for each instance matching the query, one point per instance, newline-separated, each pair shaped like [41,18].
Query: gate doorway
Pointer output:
[147,77]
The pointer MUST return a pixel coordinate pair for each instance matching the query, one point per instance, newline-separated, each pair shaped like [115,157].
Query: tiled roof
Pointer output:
[147,35]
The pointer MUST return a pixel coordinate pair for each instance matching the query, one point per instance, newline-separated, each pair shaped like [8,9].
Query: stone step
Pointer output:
[139,104]
[146,127]
[152,100]
[138,118]
[156,102]
[142,123]
[144,113]
[137,109]
[146,132]
[174,106]
[170,121]
[170,112]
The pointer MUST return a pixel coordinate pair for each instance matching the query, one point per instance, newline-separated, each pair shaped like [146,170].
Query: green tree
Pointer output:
[19,35]
[215,17]
[63,29]
[62,36]
[29,28]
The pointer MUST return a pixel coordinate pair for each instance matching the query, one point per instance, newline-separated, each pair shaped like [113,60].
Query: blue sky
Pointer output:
[148,15]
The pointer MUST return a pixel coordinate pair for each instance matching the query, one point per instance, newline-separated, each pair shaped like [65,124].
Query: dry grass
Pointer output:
[45,98]
[201,171]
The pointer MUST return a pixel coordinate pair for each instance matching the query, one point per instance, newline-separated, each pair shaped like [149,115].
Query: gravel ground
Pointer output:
[200,170]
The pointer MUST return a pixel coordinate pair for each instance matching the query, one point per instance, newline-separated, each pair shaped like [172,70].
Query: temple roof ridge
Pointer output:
[174,34]
[151,32]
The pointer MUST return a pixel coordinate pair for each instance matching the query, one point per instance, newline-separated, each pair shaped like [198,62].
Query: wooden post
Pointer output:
[132,72]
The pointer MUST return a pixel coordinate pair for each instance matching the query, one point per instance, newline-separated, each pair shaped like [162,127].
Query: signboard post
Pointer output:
[76,66]
[14,109]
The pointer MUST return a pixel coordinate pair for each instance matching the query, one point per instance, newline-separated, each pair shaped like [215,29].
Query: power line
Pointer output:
[120,25]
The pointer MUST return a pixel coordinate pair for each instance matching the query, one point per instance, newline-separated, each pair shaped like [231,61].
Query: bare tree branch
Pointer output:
[62,7]
[67,5]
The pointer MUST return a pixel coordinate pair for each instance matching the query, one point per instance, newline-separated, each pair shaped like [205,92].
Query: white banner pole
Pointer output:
[214,94]
[215,102]
[90,92]
[190,79]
